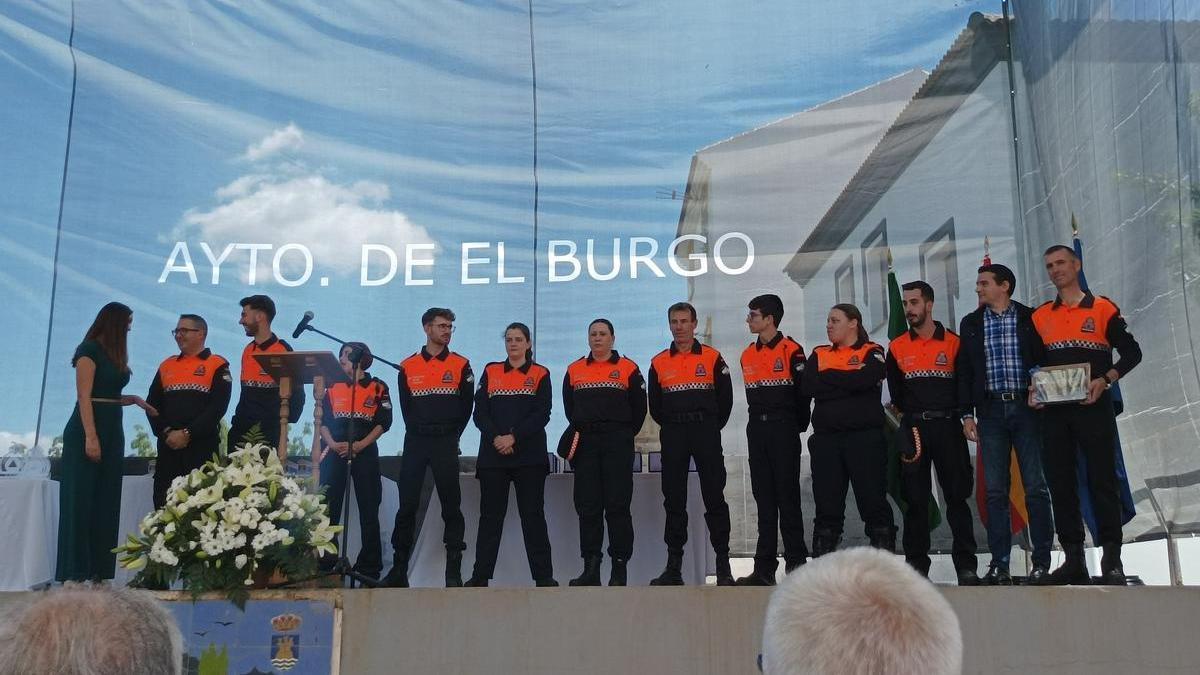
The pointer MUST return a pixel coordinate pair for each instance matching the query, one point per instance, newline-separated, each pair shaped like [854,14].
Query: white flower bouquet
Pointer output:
[235,520]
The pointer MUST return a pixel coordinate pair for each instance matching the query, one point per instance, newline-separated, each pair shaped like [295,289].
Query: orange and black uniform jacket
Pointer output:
[1086,333]
[372,407]
[691,384]
[192,393]
[436,393]
[601,393]
[920,372]
[259,399]
[513,401]
[771,371]
[845,384]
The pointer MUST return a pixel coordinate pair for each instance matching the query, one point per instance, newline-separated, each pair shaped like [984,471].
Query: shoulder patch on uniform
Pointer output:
[226,376]
[878,356]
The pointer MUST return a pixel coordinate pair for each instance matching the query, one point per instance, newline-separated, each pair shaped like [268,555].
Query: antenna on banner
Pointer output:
[669,194]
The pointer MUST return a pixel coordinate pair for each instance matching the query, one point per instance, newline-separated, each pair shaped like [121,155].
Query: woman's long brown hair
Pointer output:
[110,329]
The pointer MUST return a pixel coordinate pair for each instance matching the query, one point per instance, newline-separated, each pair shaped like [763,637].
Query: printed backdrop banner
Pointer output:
[552,162]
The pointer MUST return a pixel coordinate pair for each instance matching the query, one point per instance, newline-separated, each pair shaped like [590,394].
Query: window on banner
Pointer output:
[939,268]
[875,273]
[843,280]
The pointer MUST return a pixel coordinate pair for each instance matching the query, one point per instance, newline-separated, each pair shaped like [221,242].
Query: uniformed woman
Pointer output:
[604,395]
[368,406]
[847,447]
[512,408]
[93,453]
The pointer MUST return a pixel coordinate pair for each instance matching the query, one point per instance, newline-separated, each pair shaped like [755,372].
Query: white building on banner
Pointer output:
[922,163]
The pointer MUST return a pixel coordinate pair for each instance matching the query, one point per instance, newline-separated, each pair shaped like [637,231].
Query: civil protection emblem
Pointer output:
[941,359]
[1089,326]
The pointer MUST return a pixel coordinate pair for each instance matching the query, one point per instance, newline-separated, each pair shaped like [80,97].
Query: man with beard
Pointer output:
[258,402]
[435,388]
[921,379]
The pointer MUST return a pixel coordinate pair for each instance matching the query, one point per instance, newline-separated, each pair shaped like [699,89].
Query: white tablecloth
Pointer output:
[29,519]
[427,567]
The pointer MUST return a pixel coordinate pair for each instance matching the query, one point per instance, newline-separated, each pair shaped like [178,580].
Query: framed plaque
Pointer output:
[1061,384]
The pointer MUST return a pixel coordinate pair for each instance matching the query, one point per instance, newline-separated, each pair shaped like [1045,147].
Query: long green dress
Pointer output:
[89,498]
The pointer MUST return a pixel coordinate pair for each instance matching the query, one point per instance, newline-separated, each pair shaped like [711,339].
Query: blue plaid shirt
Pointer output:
[1005,371]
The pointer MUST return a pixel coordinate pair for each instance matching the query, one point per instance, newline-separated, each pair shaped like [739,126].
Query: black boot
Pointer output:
[789,565]
[476,582]
[1112,573]
[619,575]
[883,538]
[454,569]
[672,574]
[724,574]
[548,582]
[1072,572]
[591,573]
[824,542]
[397,577]
[761,576]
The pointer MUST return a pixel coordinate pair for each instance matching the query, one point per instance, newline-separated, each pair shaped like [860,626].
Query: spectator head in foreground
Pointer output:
[90,630]
[860,611]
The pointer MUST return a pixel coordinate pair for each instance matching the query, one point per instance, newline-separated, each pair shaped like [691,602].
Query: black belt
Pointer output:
[433,429]
[935,415]
[1007,395]
[772,417]
[682,418]
[600,427]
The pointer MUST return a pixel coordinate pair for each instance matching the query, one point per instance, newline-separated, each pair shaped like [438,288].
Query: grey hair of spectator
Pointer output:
[90,630]
[857,612]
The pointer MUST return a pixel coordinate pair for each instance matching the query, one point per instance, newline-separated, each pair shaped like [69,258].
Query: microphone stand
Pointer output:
[343,342]
[342,566]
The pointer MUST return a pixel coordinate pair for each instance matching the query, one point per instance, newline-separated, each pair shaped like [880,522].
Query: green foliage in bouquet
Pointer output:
[237,518]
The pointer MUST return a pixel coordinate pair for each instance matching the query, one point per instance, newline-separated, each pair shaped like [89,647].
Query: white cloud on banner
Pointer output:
[8,438]
[290,204]
[287,138]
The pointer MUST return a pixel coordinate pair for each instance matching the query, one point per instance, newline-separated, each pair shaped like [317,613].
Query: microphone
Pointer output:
[303,325]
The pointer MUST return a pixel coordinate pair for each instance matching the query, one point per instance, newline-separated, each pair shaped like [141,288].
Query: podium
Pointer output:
[290,369]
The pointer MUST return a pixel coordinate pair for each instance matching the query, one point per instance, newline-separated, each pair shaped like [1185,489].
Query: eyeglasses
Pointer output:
[754,315]
[179,332]
[444,326]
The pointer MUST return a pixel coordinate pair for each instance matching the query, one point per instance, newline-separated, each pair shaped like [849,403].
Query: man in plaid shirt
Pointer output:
[999,346]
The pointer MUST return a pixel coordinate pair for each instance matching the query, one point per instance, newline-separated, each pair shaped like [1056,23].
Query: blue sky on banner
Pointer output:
[392,125]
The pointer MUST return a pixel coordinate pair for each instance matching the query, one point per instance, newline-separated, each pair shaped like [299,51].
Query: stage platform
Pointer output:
[705,630]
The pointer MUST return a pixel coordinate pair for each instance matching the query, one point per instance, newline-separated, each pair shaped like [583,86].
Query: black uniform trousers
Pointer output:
[368,492]
[241,425]
[774,455]
[699,441]
[530,482]
[174,463]
[1093,428]
[944,447]
[603,466]
[440,455]
[840,459]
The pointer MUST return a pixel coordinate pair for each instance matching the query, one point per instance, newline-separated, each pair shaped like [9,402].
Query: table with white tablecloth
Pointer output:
[29,519]
[427,566]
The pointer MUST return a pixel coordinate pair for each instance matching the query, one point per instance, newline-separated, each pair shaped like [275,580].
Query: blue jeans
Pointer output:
[1003,427]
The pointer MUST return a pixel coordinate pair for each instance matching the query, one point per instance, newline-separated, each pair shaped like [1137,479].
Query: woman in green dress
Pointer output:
[89,503]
